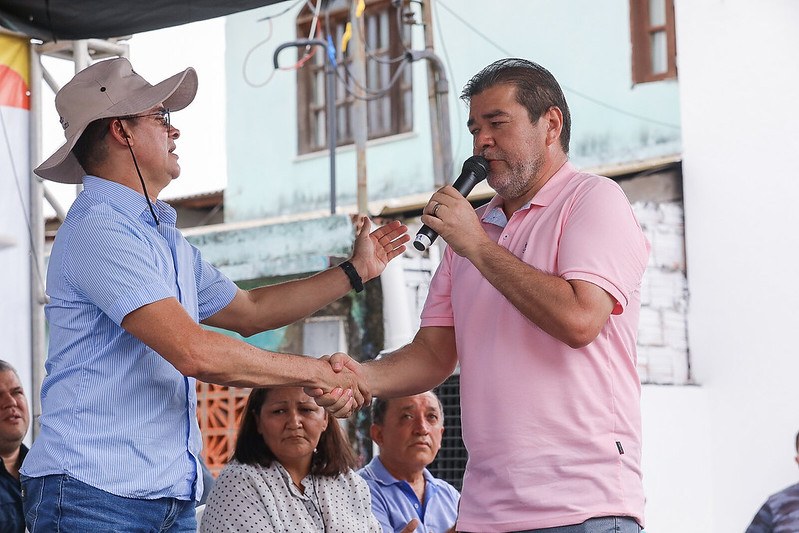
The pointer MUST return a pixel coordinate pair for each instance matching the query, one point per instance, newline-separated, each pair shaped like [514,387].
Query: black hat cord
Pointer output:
[143,186]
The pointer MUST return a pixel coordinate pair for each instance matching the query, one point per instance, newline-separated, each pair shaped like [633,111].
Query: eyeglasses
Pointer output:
[163,116]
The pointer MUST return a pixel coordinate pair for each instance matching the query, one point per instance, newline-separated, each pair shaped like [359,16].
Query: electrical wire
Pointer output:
[315,20]
[299,63]
[309,51]
[399,26]
[247,60]
[292,6]
[302,61]
[374,94]
[370,52]
[578,93]
[349,81]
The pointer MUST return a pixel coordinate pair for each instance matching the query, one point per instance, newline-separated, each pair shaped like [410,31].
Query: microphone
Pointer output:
[474,171]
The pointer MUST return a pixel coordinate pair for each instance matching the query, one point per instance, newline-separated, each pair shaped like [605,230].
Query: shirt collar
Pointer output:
[384,477]
[289,482]
[494,214]
[128,201]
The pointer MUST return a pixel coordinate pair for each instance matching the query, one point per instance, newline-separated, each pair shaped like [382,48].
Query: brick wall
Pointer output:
[662,338]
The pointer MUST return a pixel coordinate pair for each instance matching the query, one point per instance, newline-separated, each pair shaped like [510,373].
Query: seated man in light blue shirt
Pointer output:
[408,431]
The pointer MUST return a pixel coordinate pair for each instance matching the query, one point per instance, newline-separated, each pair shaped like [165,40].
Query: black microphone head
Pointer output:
[477,165]
[474,171]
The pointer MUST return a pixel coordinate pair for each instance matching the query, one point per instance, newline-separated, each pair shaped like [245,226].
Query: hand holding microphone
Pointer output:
[474,171]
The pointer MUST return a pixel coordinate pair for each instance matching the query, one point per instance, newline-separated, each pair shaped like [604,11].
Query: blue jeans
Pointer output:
[63,504]
[605,524]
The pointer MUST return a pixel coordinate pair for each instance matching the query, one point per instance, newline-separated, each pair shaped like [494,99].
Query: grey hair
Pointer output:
[380,406]
[6,366]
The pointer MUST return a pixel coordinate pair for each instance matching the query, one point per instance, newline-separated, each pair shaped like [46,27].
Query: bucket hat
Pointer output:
[108,89]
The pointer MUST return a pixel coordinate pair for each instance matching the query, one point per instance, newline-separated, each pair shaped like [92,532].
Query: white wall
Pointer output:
[713,454]
[15,279]
[677,458]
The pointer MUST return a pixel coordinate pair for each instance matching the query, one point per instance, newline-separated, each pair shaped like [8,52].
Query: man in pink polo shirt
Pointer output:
[537,297]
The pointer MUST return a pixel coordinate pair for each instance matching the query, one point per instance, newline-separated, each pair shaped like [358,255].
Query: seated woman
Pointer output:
[291,471]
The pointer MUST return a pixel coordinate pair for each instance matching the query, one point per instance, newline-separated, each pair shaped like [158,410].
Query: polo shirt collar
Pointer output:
[127,201]
[553,186]
[545,196]
[384,477]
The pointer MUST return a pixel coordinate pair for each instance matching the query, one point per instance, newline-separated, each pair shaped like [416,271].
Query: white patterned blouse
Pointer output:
[248,498]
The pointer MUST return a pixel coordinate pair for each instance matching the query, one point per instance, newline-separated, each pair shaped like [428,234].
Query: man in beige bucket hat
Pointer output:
[119,445]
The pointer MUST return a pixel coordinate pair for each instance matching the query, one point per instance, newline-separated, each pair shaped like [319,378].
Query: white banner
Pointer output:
[15,240]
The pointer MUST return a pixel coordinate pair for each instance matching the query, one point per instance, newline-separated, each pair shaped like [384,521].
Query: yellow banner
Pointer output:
[14,72]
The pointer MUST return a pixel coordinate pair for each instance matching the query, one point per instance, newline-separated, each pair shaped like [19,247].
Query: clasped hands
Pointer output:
[348,390]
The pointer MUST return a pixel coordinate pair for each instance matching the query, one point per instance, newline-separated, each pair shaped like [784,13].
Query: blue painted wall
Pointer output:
[586,45]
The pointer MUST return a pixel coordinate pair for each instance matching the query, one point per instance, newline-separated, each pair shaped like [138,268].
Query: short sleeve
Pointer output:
[602,242]
[214,290]
[112,265]
[437,309]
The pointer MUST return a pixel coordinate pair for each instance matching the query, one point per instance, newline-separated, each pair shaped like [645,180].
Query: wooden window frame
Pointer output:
[308,110]
[640,34]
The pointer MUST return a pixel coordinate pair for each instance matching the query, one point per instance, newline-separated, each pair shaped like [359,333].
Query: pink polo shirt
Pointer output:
[544,423]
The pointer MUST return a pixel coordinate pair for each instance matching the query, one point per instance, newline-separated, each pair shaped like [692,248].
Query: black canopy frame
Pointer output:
[56,20]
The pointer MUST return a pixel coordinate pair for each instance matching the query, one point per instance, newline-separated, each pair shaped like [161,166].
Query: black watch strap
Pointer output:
[355,279]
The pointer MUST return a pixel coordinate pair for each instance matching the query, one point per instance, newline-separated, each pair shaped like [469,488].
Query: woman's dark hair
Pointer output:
[536,89]
[333,454]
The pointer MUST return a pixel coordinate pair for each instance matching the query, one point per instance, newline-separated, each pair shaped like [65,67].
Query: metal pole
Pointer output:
[331,129]
[359,123]
[330,105]
[38,297]
[82,59]
[437,90]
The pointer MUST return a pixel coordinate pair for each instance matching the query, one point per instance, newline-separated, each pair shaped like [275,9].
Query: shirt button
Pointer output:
[506,236]
[416,505]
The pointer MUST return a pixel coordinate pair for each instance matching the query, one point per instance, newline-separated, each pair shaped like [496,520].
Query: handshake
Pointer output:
[346,387]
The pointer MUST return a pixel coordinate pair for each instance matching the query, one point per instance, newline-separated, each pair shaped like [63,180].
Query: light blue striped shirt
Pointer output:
[115,414]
